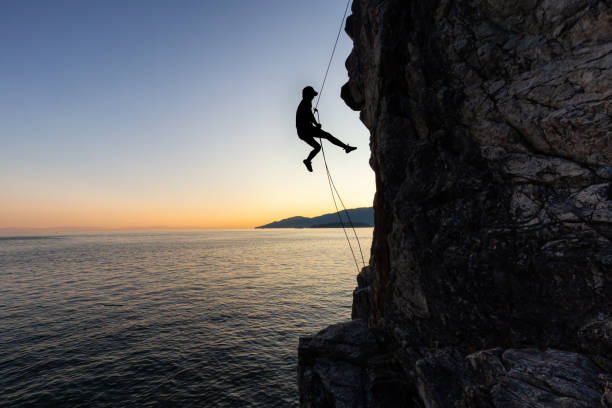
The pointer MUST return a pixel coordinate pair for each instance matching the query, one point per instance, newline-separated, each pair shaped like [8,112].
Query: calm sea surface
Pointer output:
[198,318]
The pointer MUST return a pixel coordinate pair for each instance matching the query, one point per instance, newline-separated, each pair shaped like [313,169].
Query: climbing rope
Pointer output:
[348,3]
[332,185]
[334,193]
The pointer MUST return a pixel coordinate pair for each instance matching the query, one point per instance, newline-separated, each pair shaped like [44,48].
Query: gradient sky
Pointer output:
[122,114]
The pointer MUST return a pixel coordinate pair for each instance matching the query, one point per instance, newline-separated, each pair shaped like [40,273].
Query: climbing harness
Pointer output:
[332,185]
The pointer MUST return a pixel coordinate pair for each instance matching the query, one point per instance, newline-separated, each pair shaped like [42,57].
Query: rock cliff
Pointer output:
[490,277]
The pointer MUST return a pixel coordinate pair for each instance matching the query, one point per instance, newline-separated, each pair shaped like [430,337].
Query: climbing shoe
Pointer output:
[349,149]
[308,165]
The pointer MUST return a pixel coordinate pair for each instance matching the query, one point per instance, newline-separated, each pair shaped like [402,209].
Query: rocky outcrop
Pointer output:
[509,378]
[343,366]
[491,132]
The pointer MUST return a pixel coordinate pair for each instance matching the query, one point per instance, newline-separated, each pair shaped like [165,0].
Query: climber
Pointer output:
[308,128]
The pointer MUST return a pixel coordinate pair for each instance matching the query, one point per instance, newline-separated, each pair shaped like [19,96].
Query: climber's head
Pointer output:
[309,93]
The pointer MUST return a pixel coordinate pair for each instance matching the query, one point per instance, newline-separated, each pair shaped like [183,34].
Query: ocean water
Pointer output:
[197,318]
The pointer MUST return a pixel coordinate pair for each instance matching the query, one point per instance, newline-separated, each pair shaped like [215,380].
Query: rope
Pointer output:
[332,188]
[330,180]
[348,3]
[347,216]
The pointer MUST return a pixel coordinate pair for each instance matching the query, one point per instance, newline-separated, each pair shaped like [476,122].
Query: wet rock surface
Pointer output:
[491,133]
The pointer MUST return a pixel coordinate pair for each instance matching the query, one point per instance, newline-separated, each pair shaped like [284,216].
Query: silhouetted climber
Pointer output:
[308,128]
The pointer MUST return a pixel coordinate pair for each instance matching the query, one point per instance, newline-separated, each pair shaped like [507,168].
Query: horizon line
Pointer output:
[102,229]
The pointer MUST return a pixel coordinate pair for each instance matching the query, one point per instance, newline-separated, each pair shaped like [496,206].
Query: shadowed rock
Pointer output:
[343,366]
[490,135]
[491,132]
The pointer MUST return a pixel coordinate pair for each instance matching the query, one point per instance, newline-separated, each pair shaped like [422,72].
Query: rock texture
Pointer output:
[343,366]
[491,141]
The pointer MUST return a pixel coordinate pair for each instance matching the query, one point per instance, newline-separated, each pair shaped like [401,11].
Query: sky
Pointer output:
[180,114]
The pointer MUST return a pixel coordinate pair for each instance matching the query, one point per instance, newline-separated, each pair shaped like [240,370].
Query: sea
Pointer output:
[169,318]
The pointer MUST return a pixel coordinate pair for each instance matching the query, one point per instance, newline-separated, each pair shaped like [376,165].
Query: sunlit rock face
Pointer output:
[491,133]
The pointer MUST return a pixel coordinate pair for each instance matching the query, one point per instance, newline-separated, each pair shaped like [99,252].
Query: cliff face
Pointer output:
[491,132]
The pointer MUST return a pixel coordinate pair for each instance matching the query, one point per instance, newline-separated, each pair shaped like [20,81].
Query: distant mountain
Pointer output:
[346,224]
[361,217]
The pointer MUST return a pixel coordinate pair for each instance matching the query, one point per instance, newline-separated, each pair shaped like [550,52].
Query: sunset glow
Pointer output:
[154,116]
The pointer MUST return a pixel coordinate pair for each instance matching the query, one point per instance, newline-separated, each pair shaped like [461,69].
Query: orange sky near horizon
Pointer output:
[133,220]
[129,221]
[182,211]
